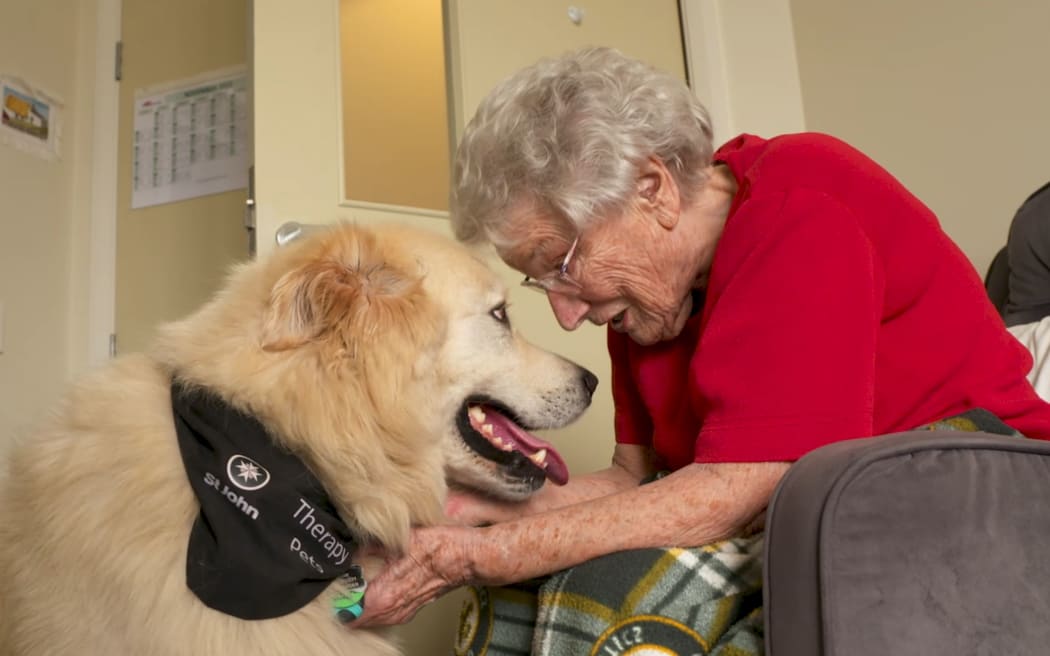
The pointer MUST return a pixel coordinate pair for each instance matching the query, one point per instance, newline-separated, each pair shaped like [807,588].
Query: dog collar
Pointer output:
[267,539]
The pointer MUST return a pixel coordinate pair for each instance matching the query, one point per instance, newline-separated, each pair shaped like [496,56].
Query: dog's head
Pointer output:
[385,359]
[495,387]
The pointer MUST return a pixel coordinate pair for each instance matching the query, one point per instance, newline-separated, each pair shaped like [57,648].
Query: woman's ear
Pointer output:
[658,193]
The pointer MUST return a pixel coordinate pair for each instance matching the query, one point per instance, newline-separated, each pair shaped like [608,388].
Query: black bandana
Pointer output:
[267,540]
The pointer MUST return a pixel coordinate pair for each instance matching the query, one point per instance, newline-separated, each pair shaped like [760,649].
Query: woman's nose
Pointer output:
[570,311]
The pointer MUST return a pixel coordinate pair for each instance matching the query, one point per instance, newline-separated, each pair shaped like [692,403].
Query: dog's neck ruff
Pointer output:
[267,540]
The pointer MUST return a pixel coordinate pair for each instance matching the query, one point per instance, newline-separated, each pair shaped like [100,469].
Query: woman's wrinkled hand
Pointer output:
[437,560]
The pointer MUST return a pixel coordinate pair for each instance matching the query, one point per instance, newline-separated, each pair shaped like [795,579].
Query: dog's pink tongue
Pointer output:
[540,452]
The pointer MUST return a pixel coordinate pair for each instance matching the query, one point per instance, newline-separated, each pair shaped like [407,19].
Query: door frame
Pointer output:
[102,231]
[706,35]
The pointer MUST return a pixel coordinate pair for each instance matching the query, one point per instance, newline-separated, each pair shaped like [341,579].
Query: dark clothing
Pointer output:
[1028,248]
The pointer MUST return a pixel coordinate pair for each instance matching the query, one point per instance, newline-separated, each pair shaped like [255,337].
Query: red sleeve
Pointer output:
[786,361]
[631,420]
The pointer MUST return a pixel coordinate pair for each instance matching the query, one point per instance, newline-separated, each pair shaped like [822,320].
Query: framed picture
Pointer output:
[28,118]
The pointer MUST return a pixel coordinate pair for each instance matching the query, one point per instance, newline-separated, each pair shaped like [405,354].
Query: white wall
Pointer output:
[44,210]
[743,66]
[949,95]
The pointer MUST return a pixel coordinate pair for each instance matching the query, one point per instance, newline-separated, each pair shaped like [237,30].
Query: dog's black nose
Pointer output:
[590,381]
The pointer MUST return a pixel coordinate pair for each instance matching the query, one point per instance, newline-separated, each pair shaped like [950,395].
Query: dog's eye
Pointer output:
[499,313]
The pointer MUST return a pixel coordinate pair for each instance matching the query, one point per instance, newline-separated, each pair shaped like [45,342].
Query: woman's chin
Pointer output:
[648,333]
[685,310]
[648,328]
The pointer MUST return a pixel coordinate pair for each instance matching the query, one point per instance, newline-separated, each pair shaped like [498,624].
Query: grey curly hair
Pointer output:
[568,135]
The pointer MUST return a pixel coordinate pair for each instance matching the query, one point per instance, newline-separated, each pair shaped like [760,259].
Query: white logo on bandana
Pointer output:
[246,474]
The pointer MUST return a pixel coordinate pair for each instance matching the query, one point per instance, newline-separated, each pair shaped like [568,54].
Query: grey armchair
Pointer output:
[927,542]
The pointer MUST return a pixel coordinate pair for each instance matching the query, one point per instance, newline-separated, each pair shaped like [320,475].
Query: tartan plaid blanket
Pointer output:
[704,600]
[714,591]
[648,602]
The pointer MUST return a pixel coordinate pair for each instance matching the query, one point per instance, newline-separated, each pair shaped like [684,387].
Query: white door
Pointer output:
[297,86]
[299,169]
[489,39]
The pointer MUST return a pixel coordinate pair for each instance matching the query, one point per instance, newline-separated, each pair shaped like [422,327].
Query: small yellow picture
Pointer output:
[25,113]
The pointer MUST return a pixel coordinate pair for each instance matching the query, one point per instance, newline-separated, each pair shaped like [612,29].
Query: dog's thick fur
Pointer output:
[358,349]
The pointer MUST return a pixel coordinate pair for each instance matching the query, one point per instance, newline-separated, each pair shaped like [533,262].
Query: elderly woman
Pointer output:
[761,300]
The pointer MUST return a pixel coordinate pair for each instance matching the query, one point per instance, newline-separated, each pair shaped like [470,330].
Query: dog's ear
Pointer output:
[339,294]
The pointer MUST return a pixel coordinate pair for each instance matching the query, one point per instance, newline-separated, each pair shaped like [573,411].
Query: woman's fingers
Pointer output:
[435,562]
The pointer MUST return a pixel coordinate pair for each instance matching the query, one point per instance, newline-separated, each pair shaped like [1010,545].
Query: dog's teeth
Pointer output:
[476,413]
[487,430]
[539,457]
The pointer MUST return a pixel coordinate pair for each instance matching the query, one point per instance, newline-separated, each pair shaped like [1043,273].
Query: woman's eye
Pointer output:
[499,313]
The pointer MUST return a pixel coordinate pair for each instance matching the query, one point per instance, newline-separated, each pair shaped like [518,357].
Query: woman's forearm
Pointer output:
[630,464]
[699,504]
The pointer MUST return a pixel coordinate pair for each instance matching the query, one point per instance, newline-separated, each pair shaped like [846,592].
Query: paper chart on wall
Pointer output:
[191,139]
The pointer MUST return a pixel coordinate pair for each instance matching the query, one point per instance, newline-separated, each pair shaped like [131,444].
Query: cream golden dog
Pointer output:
[382,359]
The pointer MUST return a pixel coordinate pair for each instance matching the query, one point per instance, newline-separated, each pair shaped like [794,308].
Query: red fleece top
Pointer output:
[836,308]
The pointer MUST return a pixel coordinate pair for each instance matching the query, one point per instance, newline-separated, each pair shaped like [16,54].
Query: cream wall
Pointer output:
[949,95]
[44,254]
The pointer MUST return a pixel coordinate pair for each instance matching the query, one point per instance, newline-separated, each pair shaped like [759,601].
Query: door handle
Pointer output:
[289,231]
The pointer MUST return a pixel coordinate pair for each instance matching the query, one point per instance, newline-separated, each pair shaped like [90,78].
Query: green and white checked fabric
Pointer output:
[649,602]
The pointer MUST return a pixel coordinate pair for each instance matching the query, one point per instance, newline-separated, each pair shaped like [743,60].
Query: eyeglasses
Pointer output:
[557,282]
